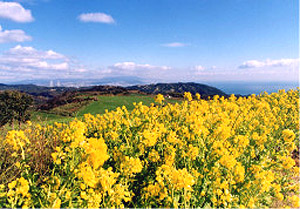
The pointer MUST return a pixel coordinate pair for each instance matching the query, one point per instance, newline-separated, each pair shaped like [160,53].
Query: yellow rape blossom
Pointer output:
[188,96]
[288,135]
[221,152]
[159,98]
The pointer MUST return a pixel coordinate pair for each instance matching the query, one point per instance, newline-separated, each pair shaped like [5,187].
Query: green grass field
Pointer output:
[43,117]
[112,102]
[98,107]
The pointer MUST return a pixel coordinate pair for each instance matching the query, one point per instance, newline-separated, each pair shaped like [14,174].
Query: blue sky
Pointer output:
[155,40]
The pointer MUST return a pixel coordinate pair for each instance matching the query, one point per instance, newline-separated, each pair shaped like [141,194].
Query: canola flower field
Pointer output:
[229,153]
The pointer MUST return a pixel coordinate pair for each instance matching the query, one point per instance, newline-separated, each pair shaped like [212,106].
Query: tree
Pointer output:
[14,106]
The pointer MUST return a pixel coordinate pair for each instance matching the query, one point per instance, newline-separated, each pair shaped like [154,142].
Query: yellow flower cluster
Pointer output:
[18,193]
[17,139]
[225,152]
[159,98]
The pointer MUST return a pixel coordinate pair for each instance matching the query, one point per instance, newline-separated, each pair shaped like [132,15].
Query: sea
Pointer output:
[252,87]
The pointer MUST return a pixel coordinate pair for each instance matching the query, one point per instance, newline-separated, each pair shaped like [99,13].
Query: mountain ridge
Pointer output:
[171,89]
[178,88]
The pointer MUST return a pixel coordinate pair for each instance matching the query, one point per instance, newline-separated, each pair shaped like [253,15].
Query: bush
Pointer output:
[14,107]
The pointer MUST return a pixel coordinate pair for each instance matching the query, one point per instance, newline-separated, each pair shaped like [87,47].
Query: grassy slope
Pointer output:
[112,102]
[43,117]
[97,107]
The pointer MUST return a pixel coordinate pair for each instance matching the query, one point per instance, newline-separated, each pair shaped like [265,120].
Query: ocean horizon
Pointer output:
[253,87]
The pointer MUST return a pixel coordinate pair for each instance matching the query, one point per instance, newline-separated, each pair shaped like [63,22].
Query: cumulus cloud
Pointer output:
[7,36]
[25,62]
[96,17]
[29,59]
[135,69]
[199,68]
[270,63]
[130,66]
[80,70]
[32,53]
[15,11]
[174,44]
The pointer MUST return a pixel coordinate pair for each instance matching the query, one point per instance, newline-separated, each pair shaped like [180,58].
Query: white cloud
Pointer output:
[270,63]
[135,69]
[29,59]
[15,11]
[7,36]
[199,68]
[25,62]
[96,17]
[80,70]
[174,44]
[60,66]
[45,65]
[130,66]
[27,52]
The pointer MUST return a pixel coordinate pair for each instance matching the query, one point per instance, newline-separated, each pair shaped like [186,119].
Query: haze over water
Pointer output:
[253,87]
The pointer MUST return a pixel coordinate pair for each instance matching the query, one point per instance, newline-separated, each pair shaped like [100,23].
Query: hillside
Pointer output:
[67,101]
[104,90]
[160,88]
[40,93]
[177,89]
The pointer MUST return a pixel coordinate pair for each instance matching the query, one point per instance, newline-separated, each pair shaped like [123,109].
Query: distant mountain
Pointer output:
[80,82]
[178,88]
[43,95]
[37,91]
[159,88]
